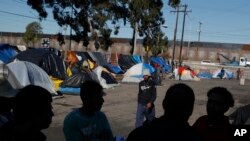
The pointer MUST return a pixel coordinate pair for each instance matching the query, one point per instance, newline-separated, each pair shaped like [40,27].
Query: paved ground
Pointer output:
[120,104]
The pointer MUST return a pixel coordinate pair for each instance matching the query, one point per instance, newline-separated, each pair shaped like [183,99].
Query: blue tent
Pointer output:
[161,62]
[136,58]
[6,53]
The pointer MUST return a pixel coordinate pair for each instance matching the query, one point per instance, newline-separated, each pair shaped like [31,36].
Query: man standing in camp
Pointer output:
[146,98]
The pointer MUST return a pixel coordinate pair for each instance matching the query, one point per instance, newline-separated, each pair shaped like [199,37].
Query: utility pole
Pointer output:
[183,27]
[174,40]
[199,31]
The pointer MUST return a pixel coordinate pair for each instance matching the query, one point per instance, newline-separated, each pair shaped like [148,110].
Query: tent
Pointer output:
[161,62]
[104,81]
[47,60]
[186,74]
[7,53]
[134,74]
[228,74]
[125,62]
[136,59]
[22,73]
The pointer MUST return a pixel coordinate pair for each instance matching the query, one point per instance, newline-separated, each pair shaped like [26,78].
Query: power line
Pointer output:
[21,15]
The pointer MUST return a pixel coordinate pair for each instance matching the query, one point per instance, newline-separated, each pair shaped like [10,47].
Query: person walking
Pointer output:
[146,98]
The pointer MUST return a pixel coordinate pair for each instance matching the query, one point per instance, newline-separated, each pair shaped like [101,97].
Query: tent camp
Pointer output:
[134,74]
[22,73]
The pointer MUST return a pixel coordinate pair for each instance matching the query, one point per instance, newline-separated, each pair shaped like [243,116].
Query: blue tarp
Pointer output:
[161,62]
[69,90]
[6,53]
[115,69]
[205,75]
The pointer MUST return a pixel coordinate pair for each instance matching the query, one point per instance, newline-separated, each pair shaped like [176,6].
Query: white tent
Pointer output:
[22,73]
[134,74]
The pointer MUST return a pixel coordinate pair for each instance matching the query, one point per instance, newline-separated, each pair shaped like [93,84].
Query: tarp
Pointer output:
[162,63]
[134,74]
[22,73]
[7,53]
[205,75]
[75,80]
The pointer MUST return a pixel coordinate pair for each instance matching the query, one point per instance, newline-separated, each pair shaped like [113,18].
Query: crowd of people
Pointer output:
[30,111]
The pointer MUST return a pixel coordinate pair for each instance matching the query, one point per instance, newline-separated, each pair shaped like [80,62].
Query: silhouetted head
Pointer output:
[33,104]
[219,101]
[179,102]
[92,96]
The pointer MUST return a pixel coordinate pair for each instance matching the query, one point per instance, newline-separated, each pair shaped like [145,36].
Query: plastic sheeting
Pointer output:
[76,80]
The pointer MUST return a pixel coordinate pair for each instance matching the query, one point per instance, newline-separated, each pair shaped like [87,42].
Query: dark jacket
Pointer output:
[147,92]
[164,129]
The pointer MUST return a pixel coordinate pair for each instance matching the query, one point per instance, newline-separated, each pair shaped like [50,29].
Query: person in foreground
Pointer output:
[173,125]
[215,126]
[88,122]
[32,113]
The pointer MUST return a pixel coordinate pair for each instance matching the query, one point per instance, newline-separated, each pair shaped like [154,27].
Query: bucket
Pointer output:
[242,81]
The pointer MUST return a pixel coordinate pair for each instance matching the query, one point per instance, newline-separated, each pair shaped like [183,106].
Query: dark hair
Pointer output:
[224,93]
[90,89]
[31,100]
[179,101]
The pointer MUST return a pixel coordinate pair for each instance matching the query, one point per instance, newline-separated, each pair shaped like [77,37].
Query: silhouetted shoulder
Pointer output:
[162,129]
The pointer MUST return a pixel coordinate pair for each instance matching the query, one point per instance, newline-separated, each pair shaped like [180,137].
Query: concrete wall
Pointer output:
[201,51]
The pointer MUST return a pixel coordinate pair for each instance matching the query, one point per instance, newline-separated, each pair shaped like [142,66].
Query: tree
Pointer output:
[174,3]
[87,18]
[143,15]
[156,42]
[33,33]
